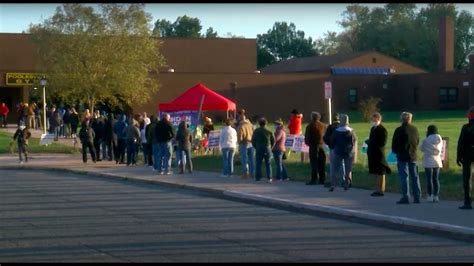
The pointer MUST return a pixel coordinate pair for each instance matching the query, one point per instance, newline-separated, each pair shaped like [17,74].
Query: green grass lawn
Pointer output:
[449,124]
[33,146]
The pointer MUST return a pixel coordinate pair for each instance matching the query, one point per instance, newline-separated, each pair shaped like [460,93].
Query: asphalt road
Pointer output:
[62,217]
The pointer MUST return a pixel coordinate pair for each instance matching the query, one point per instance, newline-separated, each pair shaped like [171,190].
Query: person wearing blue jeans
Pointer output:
[279,150]
[246,150]
[228,145]
[263,154]
[247,156]
[404,144]
[409,171]
[263,140]
[164,132]
[431,147]
[156,156]
[228,158]
[165,151]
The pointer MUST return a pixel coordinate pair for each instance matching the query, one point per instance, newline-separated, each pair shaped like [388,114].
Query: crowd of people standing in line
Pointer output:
[341,141]
[113,138]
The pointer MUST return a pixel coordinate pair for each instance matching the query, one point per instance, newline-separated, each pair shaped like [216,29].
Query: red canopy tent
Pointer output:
[191,100]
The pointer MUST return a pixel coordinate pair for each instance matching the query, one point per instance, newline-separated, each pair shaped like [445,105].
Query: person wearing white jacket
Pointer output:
[431,148]
[228,145]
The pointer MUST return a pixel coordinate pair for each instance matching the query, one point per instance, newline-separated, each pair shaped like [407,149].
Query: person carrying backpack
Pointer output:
[22,135]
[343,140]
[86,135]
[465,157]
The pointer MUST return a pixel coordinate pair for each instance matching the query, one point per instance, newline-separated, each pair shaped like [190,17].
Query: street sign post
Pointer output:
[328,96]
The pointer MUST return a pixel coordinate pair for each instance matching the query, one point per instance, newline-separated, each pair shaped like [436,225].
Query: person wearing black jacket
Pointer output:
[404,144]
[164,135]
[22,135]
[98,125]
[86,135]
[327,139]
[110,145]
[378,165]
[74,119]
[465,157]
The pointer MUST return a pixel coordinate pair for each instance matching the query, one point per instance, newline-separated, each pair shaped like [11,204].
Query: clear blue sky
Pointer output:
[246,20]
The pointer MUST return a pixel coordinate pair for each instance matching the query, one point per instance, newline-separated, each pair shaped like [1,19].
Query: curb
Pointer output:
[380,220]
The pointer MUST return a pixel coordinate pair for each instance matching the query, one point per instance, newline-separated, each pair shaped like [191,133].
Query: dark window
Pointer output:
[448,95]
[374,60]
[353,95]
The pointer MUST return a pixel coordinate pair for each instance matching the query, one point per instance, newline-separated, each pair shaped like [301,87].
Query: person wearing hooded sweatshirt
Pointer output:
[344,142]
[119,131]
[465,157]
[327,139]
[22,135]
[431,148]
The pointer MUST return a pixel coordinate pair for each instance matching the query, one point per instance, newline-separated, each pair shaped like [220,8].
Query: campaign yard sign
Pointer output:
[299,145]
[290,140]
[213,139]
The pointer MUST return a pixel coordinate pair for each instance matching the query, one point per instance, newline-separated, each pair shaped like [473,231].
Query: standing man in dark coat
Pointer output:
[98,125]
[86,135]
[465,156]
[327,139]
[314,139]
[165,133]
[404,144]
[378,165]
[109,137]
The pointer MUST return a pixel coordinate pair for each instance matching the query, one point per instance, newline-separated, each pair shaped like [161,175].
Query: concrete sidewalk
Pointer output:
[443,218]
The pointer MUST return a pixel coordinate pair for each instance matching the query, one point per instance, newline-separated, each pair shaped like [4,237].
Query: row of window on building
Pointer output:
[446,95]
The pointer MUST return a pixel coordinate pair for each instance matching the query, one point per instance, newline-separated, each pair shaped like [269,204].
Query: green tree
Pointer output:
[185,26]
[283,42]
[400,31]
[95,57]
[210,33]
[163,28]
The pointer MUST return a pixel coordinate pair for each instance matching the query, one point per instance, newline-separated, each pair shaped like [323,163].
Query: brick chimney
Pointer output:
[446,45]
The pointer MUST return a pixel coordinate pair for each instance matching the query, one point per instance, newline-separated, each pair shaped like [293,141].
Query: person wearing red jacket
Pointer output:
[295,122]
[4,113]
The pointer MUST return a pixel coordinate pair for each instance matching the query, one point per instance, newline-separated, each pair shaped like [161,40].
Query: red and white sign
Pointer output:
[328,90]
